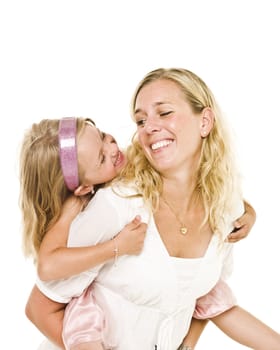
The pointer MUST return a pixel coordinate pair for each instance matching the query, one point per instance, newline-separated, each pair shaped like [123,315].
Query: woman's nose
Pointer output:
[151,126]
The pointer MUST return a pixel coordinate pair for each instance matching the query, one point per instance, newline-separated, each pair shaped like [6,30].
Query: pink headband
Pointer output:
[68,152]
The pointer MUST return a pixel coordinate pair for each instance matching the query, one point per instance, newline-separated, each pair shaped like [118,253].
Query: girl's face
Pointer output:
[100,159]
[168,130]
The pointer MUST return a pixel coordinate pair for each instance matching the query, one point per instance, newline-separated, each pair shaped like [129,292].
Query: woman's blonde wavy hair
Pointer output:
[217,178]
[42,187]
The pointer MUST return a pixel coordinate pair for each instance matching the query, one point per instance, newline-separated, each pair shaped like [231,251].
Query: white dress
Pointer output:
[148,299]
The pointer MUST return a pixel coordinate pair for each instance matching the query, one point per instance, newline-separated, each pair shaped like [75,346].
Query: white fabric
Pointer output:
[46,345]
[148,299]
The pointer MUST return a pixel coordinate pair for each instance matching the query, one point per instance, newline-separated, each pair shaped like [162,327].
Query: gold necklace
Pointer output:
[183,228]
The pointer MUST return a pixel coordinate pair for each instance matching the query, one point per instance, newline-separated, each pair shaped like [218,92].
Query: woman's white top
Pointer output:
[148,299]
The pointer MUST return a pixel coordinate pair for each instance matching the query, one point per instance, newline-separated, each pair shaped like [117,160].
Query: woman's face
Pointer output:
[168,130]
[99,156]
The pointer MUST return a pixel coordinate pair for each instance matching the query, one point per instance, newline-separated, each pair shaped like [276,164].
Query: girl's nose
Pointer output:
[109,139]
[110,145]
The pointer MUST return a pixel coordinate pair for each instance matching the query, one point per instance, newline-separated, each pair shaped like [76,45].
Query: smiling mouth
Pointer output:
[160,144]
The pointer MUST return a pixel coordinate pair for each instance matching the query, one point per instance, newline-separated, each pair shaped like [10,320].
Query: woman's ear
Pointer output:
[83,190]
[207,122]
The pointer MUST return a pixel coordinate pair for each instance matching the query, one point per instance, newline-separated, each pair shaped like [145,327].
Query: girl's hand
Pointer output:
[243,225]
[130,240]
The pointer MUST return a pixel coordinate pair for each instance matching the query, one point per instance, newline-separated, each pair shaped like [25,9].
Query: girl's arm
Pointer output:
[247,330]
[46,315]
[56,260]
[54,252]
[244,224]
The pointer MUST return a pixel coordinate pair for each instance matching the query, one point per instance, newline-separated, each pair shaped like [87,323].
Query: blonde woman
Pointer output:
[181,178]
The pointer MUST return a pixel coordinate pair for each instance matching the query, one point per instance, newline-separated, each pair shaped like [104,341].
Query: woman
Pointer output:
[181,177]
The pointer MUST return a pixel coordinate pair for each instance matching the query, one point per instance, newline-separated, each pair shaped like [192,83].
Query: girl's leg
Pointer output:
[246,329]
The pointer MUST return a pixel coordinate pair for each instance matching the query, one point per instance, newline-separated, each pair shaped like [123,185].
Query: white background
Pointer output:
[84,58]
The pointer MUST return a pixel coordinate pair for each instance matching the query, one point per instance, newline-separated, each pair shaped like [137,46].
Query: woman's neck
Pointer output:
[180,192]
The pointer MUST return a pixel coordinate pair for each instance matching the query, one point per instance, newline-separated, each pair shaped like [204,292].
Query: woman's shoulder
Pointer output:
[105,215]
[118,190]
[117,195]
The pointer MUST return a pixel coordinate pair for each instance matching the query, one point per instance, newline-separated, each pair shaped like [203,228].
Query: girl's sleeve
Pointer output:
[98,223]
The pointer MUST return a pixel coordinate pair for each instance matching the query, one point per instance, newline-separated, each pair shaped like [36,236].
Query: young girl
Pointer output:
[101,164]
[59,158]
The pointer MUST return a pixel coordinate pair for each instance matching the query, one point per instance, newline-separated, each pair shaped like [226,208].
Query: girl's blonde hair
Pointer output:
[217,178]
[42,187]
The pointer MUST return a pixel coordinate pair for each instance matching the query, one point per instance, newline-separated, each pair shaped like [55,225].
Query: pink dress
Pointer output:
[83,320]
[217,301]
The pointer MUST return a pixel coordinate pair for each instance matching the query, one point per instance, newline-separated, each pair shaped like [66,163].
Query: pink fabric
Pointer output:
[68,152]
[83,320]
[217,301]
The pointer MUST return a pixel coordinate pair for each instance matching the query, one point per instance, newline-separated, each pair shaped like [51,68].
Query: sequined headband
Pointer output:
[68,152]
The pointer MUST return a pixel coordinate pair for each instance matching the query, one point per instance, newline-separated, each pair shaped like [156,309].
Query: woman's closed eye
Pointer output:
[165,114]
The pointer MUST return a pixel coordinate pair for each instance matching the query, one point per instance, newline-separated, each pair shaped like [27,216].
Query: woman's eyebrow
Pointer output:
[156,104]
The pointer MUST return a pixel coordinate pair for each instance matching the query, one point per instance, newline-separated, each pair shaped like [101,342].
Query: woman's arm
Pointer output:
[46,315]
[247,330]
[56,261]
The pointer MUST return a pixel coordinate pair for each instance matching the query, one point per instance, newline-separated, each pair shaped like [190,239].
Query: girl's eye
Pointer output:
[103,158]
[140,122]
[164,114]
[101,134]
